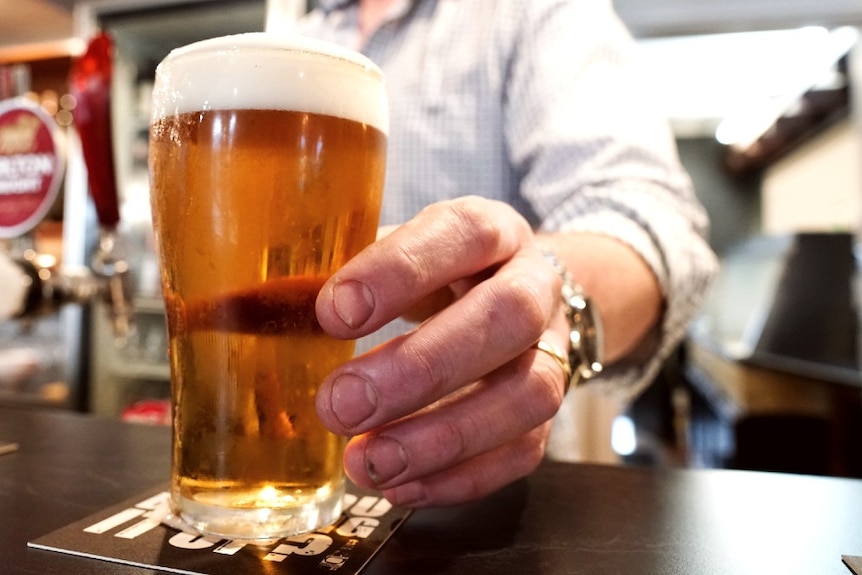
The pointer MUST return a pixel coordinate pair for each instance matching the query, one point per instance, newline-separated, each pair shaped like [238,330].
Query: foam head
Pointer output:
[263,71]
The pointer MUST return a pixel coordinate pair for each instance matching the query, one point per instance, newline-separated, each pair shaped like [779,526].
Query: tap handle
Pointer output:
[90,83]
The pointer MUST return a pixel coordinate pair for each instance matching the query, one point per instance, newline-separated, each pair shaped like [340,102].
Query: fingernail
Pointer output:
[385,459]
[353,302]
[353,400]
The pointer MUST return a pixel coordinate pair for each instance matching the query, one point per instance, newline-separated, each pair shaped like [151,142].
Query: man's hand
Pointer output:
[461,405]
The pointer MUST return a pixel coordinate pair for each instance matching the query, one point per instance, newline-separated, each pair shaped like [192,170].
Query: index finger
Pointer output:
[445,242]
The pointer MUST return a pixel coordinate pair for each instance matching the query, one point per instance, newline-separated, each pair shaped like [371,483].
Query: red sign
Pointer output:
[31,165]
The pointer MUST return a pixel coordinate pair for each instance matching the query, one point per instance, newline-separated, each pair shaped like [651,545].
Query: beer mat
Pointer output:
[853,563]
[133,533]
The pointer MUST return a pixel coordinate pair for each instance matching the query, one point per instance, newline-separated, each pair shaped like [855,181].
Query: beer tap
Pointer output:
[35,284]
[90,84]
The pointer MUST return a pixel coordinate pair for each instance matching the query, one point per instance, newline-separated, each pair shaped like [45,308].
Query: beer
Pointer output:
[265,178]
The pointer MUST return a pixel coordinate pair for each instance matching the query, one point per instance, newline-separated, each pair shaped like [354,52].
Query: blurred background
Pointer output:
[764,101]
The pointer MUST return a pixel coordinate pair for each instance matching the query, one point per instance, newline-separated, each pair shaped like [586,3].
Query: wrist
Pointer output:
[586,337]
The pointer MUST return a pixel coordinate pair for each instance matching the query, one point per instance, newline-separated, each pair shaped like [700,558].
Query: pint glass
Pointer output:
[267,159]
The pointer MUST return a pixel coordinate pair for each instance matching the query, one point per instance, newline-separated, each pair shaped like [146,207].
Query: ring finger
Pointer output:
[474,420]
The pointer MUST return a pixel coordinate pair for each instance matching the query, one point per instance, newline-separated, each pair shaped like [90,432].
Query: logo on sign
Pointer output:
[31,166]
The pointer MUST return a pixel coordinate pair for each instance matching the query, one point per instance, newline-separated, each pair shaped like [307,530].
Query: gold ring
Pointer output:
[561,359]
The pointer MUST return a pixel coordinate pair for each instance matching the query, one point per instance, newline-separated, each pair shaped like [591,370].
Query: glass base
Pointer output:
[213,516]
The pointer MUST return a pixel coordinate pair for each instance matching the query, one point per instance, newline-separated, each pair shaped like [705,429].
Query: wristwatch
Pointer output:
[586,338]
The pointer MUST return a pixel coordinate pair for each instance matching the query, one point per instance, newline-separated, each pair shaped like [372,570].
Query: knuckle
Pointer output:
[532,311]
[546,388]
[451,442]
[424,368]
[415,269]
[474,489]
[534,449]
[457,223]
[475,226]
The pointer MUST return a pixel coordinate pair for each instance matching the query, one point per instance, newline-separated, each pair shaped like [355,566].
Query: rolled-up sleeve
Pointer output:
[594,155]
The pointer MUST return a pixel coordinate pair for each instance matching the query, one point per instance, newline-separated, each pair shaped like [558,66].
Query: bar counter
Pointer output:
[565,518]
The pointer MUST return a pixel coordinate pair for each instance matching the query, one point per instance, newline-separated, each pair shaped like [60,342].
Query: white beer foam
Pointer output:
[249,71]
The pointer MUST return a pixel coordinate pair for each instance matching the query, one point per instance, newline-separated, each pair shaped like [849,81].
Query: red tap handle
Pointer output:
[90,84]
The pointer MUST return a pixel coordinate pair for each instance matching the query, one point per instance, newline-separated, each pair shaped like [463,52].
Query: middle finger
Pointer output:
[491,324]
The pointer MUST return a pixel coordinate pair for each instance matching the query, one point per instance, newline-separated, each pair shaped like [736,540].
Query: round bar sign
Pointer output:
[31,165]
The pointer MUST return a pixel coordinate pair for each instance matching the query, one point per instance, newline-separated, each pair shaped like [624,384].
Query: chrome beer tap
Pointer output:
[34,284]
[112,270]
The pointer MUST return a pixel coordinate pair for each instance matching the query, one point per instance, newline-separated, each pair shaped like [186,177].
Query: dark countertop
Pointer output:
[563,519]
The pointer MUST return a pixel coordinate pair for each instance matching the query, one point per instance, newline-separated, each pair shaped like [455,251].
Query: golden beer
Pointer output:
[265,178]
